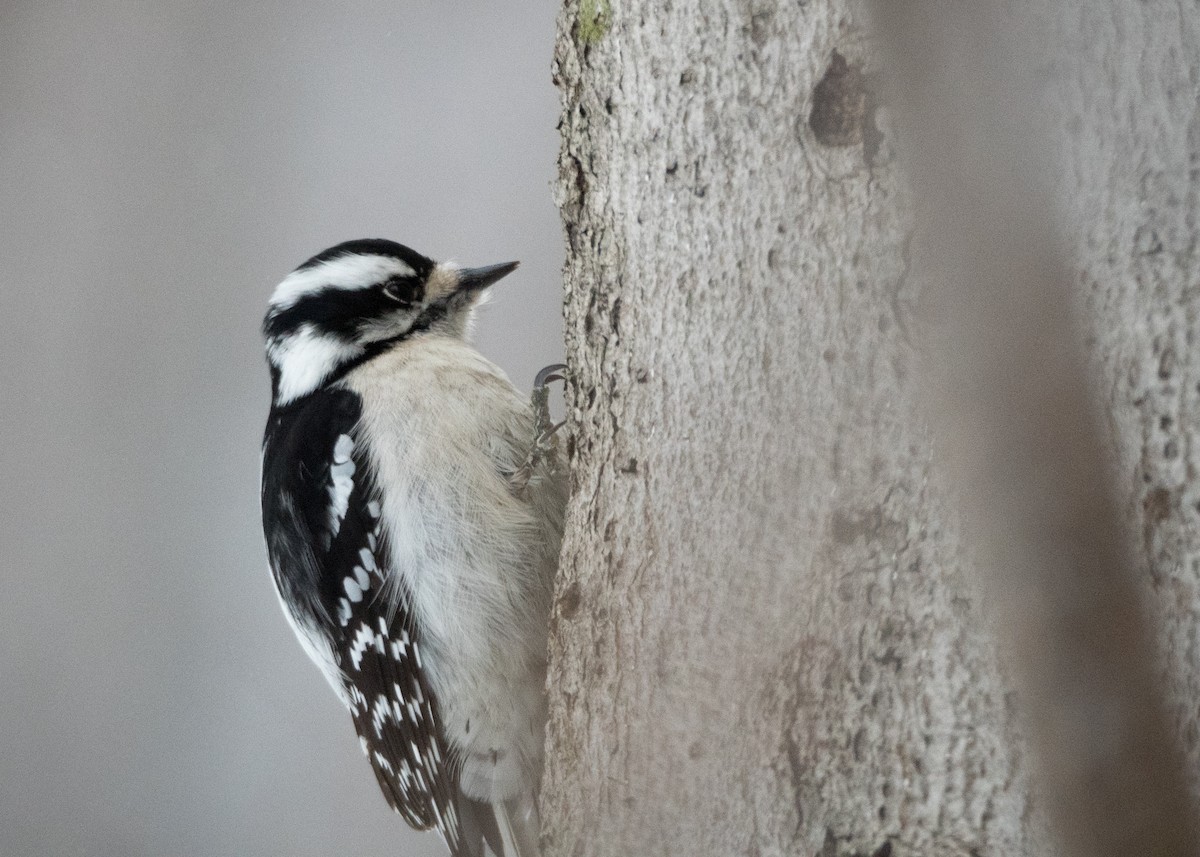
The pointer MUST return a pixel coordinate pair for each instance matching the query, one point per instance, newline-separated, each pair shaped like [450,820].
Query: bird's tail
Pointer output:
[504,829]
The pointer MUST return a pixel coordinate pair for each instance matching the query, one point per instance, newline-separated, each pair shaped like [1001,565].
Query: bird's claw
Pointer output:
[543,427]
[553,372]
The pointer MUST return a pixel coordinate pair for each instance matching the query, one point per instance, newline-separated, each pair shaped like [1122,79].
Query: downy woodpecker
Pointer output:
[413,516]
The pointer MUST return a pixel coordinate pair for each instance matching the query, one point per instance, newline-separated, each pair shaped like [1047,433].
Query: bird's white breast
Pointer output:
[443,428]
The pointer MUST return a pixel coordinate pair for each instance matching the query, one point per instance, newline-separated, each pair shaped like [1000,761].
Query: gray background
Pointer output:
[162,165]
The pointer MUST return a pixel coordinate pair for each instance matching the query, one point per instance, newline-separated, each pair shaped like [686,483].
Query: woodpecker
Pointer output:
[412,506]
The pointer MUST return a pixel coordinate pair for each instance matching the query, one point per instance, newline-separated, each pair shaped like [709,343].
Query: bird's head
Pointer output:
[356,300]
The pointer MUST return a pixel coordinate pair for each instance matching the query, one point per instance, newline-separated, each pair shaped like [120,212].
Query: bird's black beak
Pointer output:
[475,279]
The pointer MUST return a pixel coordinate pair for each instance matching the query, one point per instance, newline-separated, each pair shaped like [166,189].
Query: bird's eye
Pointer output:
[404,291]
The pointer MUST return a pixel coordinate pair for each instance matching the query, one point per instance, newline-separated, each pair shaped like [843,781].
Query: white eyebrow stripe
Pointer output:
[351,271]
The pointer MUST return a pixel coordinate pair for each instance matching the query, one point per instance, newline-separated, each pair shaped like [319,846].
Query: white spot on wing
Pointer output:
[341,482]
[343,449]
[382,761]
[364,639]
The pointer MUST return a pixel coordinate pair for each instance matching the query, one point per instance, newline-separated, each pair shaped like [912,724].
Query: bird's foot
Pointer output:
[544,426]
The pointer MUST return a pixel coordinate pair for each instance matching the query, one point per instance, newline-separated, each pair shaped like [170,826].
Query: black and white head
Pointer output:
[357,299]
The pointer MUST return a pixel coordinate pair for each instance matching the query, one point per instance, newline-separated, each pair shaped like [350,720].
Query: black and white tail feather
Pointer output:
[413,512]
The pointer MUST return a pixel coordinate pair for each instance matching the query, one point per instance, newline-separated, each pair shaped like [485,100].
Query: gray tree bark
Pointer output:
[764,641]
[1026,446]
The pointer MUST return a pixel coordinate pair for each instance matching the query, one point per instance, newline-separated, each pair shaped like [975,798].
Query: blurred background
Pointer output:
[163,165]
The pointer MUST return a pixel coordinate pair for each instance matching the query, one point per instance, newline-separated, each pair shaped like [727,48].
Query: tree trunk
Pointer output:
[764,641]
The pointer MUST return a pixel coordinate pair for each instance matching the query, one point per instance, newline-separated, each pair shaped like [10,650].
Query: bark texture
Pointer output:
[1029,451]
[763,640]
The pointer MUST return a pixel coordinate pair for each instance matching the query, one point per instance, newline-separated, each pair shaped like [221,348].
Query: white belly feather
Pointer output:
[443,426]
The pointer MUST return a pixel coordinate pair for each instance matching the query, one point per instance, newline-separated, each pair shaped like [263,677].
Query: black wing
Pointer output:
[321,515]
